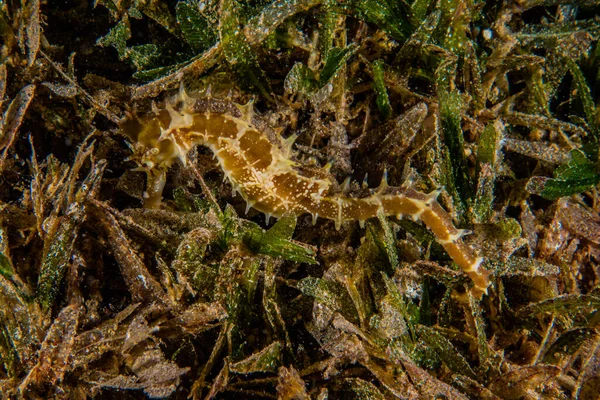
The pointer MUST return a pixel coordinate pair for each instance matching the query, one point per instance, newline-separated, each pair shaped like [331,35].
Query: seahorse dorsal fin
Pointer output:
[249,205]
[433,196]
[208,91]
[346,184]
[182,94]
[384,182]
[247,110]
[288,143]
[365,182]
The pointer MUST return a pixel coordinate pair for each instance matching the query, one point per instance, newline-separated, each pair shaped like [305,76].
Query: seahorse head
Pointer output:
[151,136]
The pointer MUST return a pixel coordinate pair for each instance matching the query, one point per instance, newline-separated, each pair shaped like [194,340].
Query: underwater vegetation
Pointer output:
[131,267]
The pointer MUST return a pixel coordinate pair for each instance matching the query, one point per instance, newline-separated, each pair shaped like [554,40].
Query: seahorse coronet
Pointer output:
[255,159]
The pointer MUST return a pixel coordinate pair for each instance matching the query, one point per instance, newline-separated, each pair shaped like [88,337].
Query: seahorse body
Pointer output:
[255,161]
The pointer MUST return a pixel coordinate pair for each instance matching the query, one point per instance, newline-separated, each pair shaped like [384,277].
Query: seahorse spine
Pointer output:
[255,160]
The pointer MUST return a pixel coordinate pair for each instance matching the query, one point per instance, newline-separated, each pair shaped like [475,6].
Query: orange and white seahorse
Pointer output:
[256,161]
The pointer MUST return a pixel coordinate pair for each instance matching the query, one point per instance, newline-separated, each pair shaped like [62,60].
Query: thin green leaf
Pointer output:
[578,175]
[8,355]
[484,351]
[356,388]
[196,30]
[445,351]
[546,34]
[229,222]
[420,7]
[583,92]
[300,79]
[423,236]
[336,59]
[6,268]
[450,114]
[284,228]
[387,241]
[327,19]
[484,196]
[563,305]
[144,56]
[117,37]
[110,5]
[488,149]
[56,259]
[20,325]
[416,44]
[382,100]
[276,243]
[567,344]
[456,25]
[330,293]
[238,52]
[263,24]
[158,72]
[59,247]
[408,310]
[159,12]
[266,360]
[393,16]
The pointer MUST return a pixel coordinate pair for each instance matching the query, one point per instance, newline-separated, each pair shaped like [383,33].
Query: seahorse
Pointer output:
[257,163]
